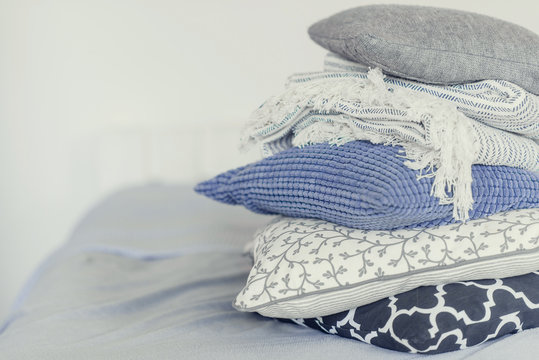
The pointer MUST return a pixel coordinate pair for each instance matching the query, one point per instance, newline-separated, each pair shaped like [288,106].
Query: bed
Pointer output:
[150,273]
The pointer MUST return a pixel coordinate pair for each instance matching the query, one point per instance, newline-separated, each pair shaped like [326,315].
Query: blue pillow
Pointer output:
[437,319]
[364,186]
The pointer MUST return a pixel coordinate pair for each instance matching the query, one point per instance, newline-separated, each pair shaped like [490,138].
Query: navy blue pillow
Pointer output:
[364,186]
[437,319]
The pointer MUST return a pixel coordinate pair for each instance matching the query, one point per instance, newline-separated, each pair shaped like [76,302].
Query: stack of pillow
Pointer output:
[405,177]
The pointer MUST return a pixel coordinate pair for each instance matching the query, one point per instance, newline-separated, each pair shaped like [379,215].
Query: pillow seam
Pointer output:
[358,38]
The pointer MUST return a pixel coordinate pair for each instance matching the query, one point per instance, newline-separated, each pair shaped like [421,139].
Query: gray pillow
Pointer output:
[432,45]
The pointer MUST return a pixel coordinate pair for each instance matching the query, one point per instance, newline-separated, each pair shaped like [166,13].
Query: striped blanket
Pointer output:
[496,103]
[443,129]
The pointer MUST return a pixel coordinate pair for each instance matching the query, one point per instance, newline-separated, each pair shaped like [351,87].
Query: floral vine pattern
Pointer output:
[294,257]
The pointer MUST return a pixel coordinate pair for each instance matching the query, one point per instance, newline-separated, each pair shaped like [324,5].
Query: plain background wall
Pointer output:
[100,94]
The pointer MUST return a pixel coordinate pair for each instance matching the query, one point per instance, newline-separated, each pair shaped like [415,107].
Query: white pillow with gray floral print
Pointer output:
[305,268]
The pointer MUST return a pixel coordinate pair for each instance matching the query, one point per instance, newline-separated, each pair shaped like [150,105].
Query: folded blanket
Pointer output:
[496,103]
[308,268]
[362,185]
[437,319]
[447,128]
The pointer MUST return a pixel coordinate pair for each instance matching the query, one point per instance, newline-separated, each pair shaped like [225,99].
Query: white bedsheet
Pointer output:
[150,273]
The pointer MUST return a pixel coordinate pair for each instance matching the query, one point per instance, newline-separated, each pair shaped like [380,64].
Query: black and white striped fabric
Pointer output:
[437,319]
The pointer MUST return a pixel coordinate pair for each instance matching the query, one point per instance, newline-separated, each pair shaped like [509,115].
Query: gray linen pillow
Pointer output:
[433,45]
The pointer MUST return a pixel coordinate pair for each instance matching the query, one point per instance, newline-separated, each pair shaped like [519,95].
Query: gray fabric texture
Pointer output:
[433,45]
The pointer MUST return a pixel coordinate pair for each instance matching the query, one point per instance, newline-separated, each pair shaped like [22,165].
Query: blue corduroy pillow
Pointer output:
[364,186]
[437,319]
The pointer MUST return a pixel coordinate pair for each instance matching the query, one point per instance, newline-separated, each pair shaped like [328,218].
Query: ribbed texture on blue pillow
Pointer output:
[362,185]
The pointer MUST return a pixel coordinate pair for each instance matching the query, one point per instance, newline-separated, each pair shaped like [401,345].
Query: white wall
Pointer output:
[99,94]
